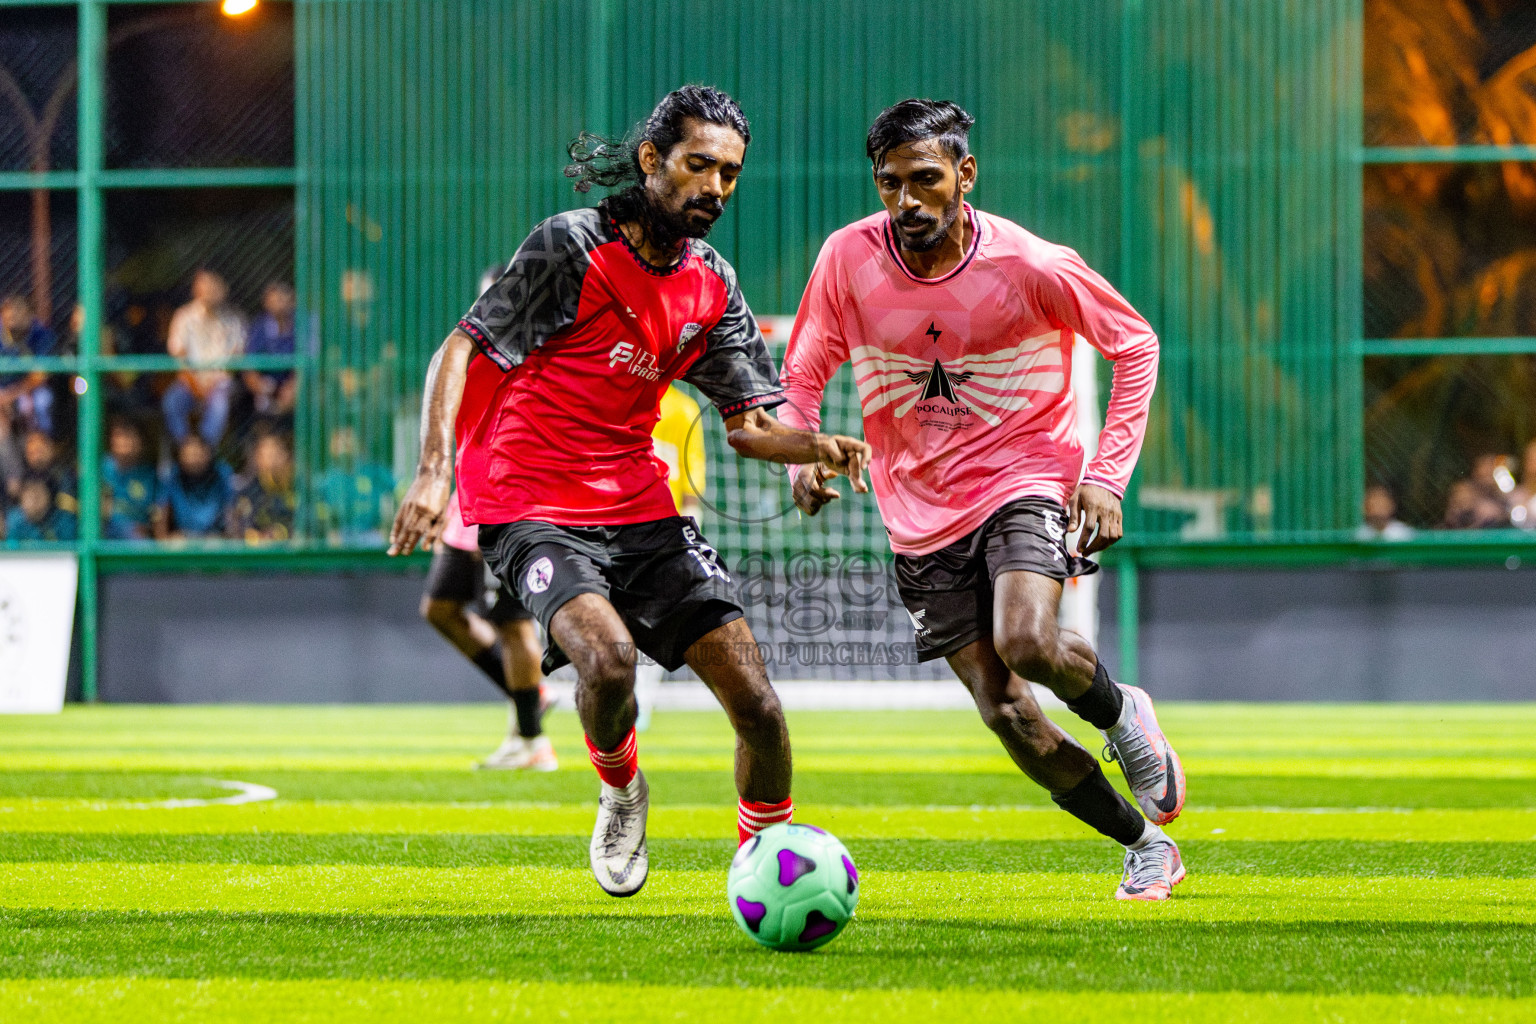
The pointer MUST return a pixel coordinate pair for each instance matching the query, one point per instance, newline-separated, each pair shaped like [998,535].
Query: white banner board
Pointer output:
[37,617]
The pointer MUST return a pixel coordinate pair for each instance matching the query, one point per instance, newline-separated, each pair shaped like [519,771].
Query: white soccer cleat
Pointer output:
[519,754]
[1151,872]
[1154,771]
[620,862]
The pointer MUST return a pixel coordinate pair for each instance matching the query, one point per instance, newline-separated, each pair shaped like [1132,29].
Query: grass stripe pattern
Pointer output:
[1347,863]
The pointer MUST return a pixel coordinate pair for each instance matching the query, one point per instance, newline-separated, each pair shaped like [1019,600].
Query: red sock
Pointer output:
[618,766]
[752,817]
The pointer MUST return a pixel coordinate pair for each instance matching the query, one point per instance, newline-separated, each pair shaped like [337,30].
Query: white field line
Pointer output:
[245,793]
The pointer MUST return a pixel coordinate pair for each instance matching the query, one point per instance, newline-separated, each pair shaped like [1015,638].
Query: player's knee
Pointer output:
[521,638]
[992,715]
[1029,653]
[609,669]
[441,615]
[758,712]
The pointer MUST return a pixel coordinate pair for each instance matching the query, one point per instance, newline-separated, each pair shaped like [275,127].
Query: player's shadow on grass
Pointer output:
[1483,959]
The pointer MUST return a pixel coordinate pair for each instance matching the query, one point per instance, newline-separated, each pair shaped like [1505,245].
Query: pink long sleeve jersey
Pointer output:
[965,379]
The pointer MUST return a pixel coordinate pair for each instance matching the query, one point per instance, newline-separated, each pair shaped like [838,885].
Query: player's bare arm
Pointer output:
[420,518]
[1097,511]
[756,434]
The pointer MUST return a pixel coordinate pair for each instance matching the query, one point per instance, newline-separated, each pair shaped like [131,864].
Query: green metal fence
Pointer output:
[1207,156]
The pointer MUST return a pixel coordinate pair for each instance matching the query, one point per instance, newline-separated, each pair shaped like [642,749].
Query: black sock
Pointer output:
[489,662]
[1100,704]
[1095,802]
[527,704]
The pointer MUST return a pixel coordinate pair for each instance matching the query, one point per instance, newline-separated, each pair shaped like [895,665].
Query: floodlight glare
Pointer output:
[235,8]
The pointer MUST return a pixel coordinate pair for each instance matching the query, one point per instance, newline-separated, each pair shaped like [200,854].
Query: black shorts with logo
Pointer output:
[662,577]
[948,592]
[458,575]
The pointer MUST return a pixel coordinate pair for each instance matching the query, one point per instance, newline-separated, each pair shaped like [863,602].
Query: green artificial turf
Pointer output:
[1346,863]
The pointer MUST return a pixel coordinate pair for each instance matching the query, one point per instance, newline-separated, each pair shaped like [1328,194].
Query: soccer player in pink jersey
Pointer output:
[960,327]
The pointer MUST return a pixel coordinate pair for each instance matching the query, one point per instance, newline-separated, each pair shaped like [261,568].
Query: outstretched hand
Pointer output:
[839,455]
[420,518]
[1097,511]
[811,490]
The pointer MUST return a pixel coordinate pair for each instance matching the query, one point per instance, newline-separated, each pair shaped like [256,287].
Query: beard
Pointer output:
[668,226]
[938,227]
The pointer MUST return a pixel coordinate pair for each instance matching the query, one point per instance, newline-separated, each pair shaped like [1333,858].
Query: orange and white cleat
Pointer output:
[522,755]
[1154,771]
[1151,872]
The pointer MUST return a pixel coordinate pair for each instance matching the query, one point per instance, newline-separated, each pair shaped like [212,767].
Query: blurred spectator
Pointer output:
[25,396]
[273,335]
[37,515]
[194,493]
[126,394]
[1381,522]
[40,460]
[129,484]
[356,497]
[1481,501]
[11,465]
[1522,500]
[205,332]
[265,502]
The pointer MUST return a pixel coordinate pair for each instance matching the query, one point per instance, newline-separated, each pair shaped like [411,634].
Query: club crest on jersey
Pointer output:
[687,334]
[539,575]
[640,362]
[957,390]
[938,384]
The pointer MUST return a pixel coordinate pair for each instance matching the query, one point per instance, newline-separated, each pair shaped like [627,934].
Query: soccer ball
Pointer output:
[793,887]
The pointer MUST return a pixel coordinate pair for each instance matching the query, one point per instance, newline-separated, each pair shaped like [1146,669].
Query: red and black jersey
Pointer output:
[577,341]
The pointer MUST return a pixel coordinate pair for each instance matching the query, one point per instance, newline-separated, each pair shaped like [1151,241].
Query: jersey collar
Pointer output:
[894,250]
[644,264]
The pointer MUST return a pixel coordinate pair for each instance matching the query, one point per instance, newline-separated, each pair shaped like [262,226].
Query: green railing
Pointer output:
[1206,156]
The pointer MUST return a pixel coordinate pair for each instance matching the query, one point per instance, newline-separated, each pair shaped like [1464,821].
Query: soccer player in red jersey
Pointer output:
[960,327]
[549,388]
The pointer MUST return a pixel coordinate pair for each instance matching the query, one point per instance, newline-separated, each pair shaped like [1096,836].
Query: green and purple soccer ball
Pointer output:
[793,887]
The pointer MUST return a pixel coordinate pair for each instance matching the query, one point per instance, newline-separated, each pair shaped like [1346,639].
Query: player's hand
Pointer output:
[420,519]
[1097,511]
[811,490]
[844,456]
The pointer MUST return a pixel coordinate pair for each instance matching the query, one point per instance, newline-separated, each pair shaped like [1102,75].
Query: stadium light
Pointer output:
[235,8]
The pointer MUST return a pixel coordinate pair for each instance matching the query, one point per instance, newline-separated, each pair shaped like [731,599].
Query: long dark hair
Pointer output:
[615,163]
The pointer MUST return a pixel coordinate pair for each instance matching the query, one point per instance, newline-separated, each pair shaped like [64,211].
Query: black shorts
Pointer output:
[459,576]
[948,592]
[662,577]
